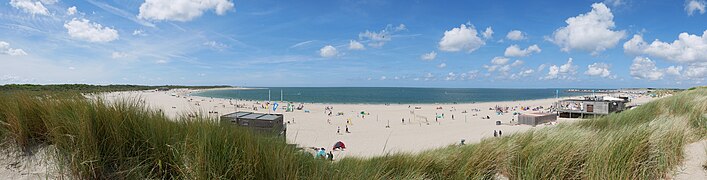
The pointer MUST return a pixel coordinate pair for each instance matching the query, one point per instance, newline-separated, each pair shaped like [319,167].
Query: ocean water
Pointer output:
[383,95]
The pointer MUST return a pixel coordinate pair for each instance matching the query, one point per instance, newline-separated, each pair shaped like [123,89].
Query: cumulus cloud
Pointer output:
[378,39]
[697,71]
[181,10]
[71,11]
[355,45]
[502,65]
[515,35]
[462,38]
[565,71]
[93,32]
[523,73]
[6,50]
[693,6]
[429,56]
[488,33]
[515,51]
[673,70]
[687,48]
[598,69]
[591,32]
[328,51]
[29,6]
[644,68]
[442,65]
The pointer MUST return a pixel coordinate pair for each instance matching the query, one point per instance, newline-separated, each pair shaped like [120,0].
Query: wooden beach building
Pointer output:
[534,119]
[590,106]
[259,122]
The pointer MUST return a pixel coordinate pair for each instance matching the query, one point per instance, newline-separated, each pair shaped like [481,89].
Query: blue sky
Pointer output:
[484,43]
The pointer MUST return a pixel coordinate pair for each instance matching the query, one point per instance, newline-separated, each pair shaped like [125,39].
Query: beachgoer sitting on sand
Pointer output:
[321,153]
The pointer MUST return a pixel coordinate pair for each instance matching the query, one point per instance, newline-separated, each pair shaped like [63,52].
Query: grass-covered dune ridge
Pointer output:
[93,139]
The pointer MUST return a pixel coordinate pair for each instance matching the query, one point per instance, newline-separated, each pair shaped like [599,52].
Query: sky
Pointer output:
[369,43]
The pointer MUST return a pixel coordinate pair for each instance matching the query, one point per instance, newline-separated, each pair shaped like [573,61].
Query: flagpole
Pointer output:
[268,101]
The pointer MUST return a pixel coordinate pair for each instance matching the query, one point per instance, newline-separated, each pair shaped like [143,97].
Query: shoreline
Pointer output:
[192,91]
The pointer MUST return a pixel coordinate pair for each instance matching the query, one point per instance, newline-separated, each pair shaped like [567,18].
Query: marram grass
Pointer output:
[94,139]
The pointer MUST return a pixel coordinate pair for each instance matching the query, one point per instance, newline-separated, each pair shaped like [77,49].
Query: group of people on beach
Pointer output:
[497,133]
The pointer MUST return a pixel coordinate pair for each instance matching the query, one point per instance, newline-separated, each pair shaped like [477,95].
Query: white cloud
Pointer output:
[93,32]
[515,35]
[541,67]
[429,56]
[695,5]
[301,43]
[71,11]
[428,76]
[673,70]
[687,48]
[451,76]
[215,45]
[565,71]
[328,51]
[49,1]
[461,38]
[589,32]
[443,65]
[181,10]
[383,78]
[499,60]
[697,71]
[401,27]
[118,55]
[355,45]
[614,3]
[501,64]
[644,68]
[515,51]
[378,39]
[139,32]
[161,61]
[5,49]
[517,63]
[29,6]
[522,74]
[469,75]
[598,69]
[488,33]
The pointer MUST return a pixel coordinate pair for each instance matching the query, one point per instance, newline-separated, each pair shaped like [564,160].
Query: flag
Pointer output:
[274,106]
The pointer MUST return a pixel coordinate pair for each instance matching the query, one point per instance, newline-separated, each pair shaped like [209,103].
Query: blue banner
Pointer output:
[274,106]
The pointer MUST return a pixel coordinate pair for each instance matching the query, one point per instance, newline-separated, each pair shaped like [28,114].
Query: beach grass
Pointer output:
[124,139]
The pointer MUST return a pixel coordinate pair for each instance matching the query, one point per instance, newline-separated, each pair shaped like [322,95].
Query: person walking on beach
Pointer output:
[403,120]
[495,134]
[500,133]
[347,129]
[338,130]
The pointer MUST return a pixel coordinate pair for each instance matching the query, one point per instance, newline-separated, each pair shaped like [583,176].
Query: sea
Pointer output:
[384,95]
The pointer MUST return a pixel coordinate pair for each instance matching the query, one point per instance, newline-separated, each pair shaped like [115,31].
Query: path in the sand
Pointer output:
[695,157]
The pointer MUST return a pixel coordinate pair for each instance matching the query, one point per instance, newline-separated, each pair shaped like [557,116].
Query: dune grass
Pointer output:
[126,140]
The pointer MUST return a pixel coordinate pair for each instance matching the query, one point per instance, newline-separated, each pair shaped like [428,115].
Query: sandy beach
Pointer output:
[380,130]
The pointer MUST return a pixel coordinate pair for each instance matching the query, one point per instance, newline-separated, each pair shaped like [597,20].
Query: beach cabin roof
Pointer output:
[250,115]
